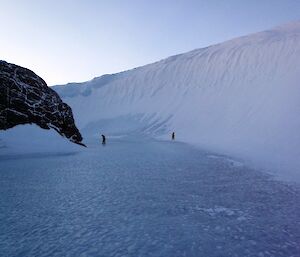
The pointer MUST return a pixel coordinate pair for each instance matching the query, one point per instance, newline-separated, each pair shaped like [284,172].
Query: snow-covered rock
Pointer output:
[26,99]
[240,98]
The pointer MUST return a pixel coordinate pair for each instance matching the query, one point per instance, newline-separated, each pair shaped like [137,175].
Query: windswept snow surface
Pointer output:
[239,98]
[143,198]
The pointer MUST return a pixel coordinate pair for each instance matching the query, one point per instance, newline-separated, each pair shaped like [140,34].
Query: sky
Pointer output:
[76,40]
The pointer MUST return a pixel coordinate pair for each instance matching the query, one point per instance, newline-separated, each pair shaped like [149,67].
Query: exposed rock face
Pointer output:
[25,98]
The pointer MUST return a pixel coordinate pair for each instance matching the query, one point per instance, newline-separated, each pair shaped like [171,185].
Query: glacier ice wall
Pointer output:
[240,97]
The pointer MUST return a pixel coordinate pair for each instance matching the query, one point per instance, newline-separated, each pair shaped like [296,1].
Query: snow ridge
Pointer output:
[240,98]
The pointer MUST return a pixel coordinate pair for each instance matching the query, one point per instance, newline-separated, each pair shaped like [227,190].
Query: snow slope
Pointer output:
[24,140]
[240,98]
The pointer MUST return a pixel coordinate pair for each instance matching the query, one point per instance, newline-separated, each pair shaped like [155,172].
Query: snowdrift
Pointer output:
[25,140]
[240,98]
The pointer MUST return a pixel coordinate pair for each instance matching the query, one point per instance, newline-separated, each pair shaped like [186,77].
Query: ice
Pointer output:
[233,162]
[138,197]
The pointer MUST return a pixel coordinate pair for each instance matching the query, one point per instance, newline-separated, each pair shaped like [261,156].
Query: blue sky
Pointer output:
[76,40]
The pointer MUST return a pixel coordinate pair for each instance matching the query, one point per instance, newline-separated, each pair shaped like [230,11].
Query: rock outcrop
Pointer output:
[25,98]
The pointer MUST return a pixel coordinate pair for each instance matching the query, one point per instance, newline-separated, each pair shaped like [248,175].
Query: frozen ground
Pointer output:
[143,198]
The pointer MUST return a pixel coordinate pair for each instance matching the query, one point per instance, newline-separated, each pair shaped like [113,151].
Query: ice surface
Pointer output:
[137,197]
[240,98]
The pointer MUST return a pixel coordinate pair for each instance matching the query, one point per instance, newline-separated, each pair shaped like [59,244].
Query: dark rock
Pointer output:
[25,98]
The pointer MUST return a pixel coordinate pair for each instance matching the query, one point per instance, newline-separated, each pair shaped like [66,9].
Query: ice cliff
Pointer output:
[240,98]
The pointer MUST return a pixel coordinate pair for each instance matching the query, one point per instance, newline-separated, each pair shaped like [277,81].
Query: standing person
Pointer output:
[103,140]
[173,136]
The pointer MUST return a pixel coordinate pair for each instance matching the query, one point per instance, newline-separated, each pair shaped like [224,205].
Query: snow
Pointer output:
[239,98]
[27,139]
[141,197]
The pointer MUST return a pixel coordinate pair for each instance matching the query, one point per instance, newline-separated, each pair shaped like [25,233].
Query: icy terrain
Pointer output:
[240,98]
[143,198]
